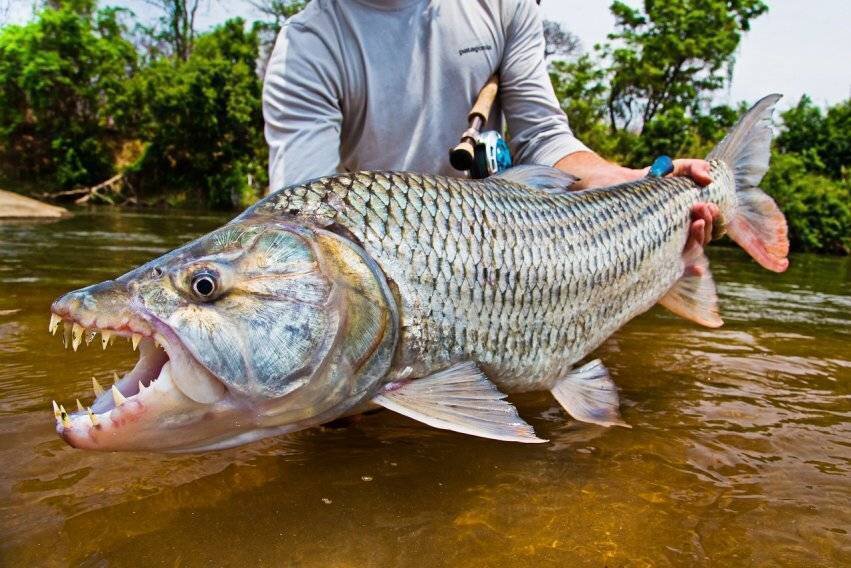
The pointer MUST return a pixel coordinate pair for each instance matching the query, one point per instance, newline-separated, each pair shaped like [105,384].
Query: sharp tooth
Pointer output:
[55,410]
[92,417]
[66,334]
[117,397]
[79,406]
[141,387]
[136,339]
[66,422]
[97,388]
[54,324]
[89,335]
[106,335]
[76,335]
[115,377]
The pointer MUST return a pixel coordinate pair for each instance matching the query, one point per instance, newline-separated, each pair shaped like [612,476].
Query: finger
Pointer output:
[695,237]
[698,170]
[714,211]
[706,217]
[707,229]
[699,211]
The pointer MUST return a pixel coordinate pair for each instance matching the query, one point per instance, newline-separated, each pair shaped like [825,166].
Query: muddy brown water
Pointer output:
[740,451]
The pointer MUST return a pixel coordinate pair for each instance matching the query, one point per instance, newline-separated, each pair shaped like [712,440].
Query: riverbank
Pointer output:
[16,206]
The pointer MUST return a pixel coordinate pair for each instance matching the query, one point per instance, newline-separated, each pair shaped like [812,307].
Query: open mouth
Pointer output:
[165,378]
[128,390]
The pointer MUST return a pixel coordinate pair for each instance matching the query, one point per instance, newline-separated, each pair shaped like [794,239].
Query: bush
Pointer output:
[58,76]
[816,207]
[204,122]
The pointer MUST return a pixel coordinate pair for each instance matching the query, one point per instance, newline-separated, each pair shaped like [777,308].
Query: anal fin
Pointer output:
[589,394]
[693,297]
[461,399]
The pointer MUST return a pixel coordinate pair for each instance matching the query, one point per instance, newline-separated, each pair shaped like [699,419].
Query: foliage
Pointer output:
[822,139]
[59,76]
[580,87]
[203,120]
[817,208]
[670,54]
[278,12]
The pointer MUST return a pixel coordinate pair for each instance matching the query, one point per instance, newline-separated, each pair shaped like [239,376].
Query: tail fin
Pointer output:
[757,225]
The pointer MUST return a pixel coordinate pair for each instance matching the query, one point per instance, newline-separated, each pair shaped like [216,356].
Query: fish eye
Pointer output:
[204,285]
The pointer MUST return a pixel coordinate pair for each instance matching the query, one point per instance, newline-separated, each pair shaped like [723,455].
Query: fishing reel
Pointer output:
[491,155]
[482,155]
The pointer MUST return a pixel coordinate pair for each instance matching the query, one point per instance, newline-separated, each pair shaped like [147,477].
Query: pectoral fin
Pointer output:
[693,297]
[461,399]
[588,394]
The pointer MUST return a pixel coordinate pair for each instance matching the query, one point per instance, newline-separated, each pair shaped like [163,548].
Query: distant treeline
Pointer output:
[87,93]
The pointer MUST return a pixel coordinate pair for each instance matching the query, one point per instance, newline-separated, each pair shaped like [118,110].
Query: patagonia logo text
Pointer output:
[474,49]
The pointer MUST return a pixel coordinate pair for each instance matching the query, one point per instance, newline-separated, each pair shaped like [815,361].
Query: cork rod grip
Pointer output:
[484,101]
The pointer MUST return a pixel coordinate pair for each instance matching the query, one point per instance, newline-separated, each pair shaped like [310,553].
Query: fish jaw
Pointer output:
[168,402]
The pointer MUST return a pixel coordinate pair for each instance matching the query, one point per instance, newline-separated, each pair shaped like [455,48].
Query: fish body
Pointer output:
[525,283]
[427,295]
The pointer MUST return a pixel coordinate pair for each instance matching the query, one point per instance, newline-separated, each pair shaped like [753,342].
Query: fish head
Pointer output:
[258,328]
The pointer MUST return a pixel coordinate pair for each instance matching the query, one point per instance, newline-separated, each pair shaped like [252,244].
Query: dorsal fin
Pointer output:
[543,178]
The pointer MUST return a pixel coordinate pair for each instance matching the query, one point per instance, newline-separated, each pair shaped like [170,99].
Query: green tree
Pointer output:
[817,208]
[58,78]
[671,54]
[822,139]
[580,87]
[203,120]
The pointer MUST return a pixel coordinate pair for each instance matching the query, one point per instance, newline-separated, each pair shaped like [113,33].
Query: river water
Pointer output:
[740,451]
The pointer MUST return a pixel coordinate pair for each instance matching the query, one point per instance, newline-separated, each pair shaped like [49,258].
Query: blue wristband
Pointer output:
[662,166]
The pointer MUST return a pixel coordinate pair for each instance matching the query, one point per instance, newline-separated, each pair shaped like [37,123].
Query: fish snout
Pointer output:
[103,305]
[97,297]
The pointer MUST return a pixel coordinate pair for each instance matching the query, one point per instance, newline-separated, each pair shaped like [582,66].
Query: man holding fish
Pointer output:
[384,85]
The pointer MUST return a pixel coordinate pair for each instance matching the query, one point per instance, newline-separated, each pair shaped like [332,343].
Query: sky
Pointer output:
[799,46]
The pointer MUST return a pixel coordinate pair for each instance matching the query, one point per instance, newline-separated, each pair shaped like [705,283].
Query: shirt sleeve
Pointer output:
[301,108]
[540,133]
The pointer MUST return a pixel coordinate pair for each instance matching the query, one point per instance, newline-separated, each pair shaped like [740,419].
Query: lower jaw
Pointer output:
[146,409]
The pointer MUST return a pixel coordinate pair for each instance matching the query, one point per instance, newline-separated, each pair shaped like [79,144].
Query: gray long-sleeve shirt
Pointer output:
[387,84]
